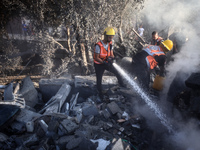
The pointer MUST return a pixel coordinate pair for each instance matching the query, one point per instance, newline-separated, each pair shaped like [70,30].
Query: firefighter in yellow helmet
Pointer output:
[148,59]
[103,57]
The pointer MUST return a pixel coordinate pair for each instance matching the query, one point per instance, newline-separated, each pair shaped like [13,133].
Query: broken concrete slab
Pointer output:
[85,85]
[8,92]
[73,100]
[3,137]
[18,126]
[105,113]
[114,108]
[80,143]
[73,143]
[30,126]
[117,144]
[90,110]
[102,144]
[59,99]
[8,113]
[90,81]
[49,87]
[43,125]
[27,115]
[69,126]
[28,92]
[62,141]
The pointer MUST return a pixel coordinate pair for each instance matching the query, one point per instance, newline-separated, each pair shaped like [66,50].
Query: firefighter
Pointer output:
[103,57]
[156,40]
[149,58]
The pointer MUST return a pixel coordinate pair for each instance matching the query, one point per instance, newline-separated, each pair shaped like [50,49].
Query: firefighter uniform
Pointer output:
[101,67]
[147,60]
[156,41]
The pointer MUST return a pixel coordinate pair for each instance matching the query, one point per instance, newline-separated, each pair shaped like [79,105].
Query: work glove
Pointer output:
[105,63]
[110,60]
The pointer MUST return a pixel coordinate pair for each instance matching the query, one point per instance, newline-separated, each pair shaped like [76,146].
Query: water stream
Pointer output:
[153,106]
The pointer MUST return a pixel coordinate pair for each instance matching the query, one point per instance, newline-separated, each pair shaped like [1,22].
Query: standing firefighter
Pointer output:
[103,58]
[149,58]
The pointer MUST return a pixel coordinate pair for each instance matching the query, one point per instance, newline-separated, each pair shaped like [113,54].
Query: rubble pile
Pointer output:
[187,96]
[67,113]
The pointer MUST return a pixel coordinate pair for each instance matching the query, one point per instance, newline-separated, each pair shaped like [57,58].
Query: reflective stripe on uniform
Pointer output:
[151,62]
[104,54]
[153,50]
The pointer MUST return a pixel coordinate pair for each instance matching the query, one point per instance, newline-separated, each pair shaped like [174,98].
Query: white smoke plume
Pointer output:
[181,16]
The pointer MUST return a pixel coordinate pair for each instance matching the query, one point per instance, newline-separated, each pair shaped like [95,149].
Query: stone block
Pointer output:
[69,126]
[113,108]
[27,115]
[28,91]
[118,145]
[8,92]
[90,110]
[49,87]
[91,81]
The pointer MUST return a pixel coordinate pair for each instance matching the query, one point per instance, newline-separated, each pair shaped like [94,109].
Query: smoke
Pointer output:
[177,16]
[188,136]
[180,16]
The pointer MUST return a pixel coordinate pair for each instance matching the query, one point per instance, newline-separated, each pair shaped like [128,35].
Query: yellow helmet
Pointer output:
[109,31]
[168,44]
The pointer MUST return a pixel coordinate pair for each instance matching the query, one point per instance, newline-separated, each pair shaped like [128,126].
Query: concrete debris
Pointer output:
[43,125]
[125,115]
[73,101]
[28,92]
[106,114]
[73,143]
[114,108]
[80,143]
[30,126]
[3,137]
[102,144]
[71,118]
[18,126]
[59,99]
[79,116]
[90,81]
[69,126]
[90,110]
[27,115]
[118,145]
[116,98]
[49,87]
[8,92]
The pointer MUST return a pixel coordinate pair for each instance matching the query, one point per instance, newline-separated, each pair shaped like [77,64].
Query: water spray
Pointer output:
[153,106]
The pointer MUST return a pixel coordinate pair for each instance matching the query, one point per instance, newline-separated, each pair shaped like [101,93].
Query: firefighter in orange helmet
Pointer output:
[156,40]
[149,58]
[103,57]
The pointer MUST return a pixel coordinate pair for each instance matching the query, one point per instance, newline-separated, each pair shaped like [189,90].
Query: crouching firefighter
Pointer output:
[149,58]
[103,58]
